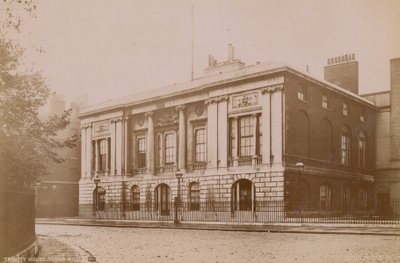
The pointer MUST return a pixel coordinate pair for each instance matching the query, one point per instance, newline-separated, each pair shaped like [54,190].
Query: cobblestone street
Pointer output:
[110,244]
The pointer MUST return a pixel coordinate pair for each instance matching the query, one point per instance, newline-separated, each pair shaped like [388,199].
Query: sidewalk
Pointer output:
[52,250]
[390,230]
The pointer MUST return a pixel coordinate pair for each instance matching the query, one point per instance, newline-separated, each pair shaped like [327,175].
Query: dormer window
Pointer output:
[345,109]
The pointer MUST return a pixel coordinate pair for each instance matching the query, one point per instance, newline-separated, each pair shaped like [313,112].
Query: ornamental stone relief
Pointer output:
[167,117]
[101,127]
[246,100]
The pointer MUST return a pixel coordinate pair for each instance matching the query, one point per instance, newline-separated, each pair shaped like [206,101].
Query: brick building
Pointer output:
[240,134]
[387,151]
[58,191]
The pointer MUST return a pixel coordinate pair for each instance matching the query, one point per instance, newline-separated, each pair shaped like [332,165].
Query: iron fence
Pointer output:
[262,212]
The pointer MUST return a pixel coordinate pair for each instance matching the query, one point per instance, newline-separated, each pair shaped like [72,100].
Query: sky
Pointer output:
[110,49]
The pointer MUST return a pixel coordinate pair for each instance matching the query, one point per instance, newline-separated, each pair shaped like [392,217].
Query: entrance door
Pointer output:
[162,199]
[242,195]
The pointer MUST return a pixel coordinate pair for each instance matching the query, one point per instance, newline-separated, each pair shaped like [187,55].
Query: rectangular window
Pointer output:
[159,150]
[170,148]
[325,101]
[302,93]
[232,137]
[103,155]
[345,110]
[345,149]
[141,152]
[362,152]
[362,116]
[246,134]
[200,145]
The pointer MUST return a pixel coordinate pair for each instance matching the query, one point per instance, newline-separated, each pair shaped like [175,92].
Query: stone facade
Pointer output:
[236,133]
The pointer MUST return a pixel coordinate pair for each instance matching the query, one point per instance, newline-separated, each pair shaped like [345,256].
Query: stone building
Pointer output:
[387,173]
[241,135]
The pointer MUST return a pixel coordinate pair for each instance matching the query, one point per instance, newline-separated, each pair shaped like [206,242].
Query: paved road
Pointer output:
[142,245]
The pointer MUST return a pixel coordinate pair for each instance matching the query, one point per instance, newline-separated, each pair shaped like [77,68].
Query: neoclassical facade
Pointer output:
[240,135]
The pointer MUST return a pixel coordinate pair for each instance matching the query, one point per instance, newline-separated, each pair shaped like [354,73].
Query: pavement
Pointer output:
[168,245]
[358,229]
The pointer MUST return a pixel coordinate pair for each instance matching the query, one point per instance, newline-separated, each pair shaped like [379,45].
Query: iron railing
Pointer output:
[263,212]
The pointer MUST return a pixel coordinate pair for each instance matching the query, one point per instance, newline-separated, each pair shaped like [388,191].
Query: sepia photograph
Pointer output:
[199,131]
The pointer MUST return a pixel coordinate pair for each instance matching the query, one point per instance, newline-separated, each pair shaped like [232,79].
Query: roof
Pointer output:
[210,81]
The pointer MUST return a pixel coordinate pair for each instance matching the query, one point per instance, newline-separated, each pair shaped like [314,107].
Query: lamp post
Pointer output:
[123,196]
[178,176]
[96,181]
[300,168]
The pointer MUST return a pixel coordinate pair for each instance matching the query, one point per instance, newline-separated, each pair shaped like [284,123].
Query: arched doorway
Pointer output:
[162,199]
[243,193]
[99,199]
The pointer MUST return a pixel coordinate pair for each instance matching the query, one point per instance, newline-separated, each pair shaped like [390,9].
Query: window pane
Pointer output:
[141,144]
[200,145]
[170,148]
[246,136]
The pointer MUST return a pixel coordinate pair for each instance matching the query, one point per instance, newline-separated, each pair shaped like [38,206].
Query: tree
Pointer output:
[27,142]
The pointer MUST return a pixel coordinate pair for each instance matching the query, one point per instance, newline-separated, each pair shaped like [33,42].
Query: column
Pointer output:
[235,123]
[255,142]
[223,132]
[89,151]
[108,154]
[125,159]
[266,126]
[97,153]
[83,152]
[212,126]
[150,142]
[118,145]
[182,138]
[113,150]
[277,124]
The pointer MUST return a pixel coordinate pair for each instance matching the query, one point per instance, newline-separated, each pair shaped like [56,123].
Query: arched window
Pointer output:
[99,199]
[325,194]
[243,193]
[362,150]
[302,134]
[162,199]
[135,192]
[345,146]
[194,196]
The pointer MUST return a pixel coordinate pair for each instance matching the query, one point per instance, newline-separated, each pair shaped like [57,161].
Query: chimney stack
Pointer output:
[395,112]
[343,72]
[231,53]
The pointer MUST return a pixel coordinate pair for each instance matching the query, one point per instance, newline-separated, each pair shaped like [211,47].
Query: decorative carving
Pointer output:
[85,126]
[199,109]
[167,117]
[180,107]
[246,100]
[140,121]
[272,88]
[216,99]
[148,114]
[101,127]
